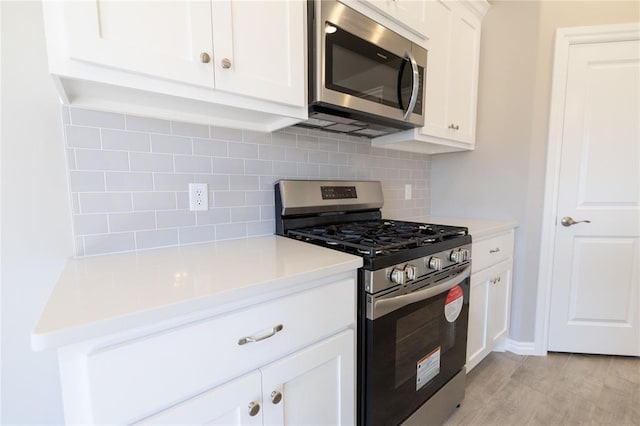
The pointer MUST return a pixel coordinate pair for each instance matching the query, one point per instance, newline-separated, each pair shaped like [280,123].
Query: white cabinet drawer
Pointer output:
[492,250]
[133,380]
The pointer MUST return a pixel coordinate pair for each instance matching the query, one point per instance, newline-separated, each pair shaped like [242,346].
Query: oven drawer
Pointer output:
[489,251]
[142,377]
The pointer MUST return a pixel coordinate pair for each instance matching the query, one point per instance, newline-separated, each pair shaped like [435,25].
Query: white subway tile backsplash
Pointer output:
[260,228]
[147,162]
[245,214]
[296,154]
[215,182]
[251,136]
[172,181]
[258,167]
[86,117]
[150,125]
[170,144]
[211,147]
[109,243]
[125,181]
[93,159]
[225,134]
[244,183]
[231,231]
[307,142]
[285,168]
[125,140]
[82,137]
[228,166]
[175,218]
[154,200]
[271,152]
[213,216]
[197,234]
[243,150]
[258,198]
[86,181]
[88,224]
[189,129]
[104,202]
[119,222]
[284,139]
[159,238]
[229,199]
[129,187]
[192,164]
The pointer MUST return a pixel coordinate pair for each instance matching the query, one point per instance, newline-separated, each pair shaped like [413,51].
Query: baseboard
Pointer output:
[520,348]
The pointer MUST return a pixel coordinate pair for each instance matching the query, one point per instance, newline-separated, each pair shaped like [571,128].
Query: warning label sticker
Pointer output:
[427,368]
[453,304]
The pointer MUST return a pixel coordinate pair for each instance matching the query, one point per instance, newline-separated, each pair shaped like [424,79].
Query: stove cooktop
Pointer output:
[382,242]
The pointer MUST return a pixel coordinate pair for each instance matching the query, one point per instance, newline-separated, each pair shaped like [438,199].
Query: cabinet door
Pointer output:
[316,385]
[463,76]
[411,14]
[162,39]
[477,342]
[440,23]
[229,404]
[259,49]
[499,303]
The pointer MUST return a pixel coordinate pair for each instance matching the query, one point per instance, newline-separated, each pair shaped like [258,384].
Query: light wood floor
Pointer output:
[559,389]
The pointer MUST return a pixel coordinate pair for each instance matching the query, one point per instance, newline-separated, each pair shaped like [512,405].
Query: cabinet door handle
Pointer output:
[205,58]
[251,339]
[454,126]
[226,63]
[495,250]
[254,408]
[276,397]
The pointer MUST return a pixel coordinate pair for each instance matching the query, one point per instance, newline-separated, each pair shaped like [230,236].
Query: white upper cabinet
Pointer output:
[451,87]
[410,14]
[226,62]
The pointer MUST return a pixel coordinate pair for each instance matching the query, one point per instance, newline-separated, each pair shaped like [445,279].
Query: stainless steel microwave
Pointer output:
[364,79]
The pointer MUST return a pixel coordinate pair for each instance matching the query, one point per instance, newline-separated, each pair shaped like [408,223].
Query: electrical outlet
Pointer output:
[198,196]
[407,191]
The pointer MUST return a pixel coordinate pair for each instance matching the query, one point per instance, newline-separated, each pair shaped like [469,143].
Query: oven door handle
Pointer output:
[385,306]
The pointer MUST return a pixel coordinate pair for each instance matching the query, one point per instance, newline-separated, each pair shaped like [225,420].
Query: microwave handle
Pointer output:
[385,306]
[415,87]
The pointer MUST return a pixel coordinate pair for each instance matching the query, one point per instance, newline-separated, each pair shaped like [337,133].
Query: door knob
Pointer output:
[254,408]
[568,221]
[226,63]
[276,397]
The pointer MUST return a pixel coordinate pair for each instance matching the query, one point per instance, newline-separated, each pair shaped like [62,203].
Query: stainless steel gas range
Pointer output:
[413,296]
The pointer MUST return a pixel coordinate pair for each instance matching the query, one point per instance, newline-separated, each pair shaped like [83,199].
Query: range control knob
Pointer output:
[456,256]
[435,263]
[411,272]
[466,254]
[398,276]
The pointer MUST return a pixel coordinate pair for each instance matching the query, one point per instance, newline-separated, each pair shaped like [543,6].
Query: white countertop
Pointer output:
[478,228]
[106,294]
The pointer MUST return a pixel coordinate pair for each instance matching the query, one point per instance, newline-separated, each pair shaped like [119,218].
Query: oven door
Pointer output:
[415,342]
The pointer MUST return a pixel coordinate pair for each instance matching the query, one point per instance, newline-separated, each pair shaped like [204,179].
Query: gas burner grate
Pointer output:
[377,237]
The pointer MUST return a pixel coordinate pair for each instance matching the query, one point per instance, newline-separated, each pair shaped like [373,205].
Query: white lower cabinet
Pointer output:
[288,360]
[314,385]
[490,299]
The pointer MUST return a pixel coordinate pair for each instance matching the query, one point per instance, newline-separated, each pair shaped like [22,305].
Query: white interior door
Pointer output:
[595,296]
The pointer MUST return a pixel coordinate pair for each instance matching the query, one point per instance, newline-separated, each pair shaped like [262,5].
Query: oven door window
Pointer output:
[411,353]
[358,68]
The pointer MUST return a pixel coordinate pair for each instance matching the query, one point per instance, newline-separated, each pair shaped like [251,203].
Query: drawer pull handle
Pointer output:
[250,339]
[254,408]
[495,250]
[276,397]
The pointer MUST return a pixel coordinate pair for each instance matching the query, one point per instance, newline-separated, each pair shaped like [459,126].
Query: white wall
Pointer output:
[36,228]
[504,177]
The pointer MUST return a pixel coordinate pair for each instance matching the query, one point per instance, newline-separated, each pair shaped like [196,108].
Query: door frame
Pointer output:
[564,39]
